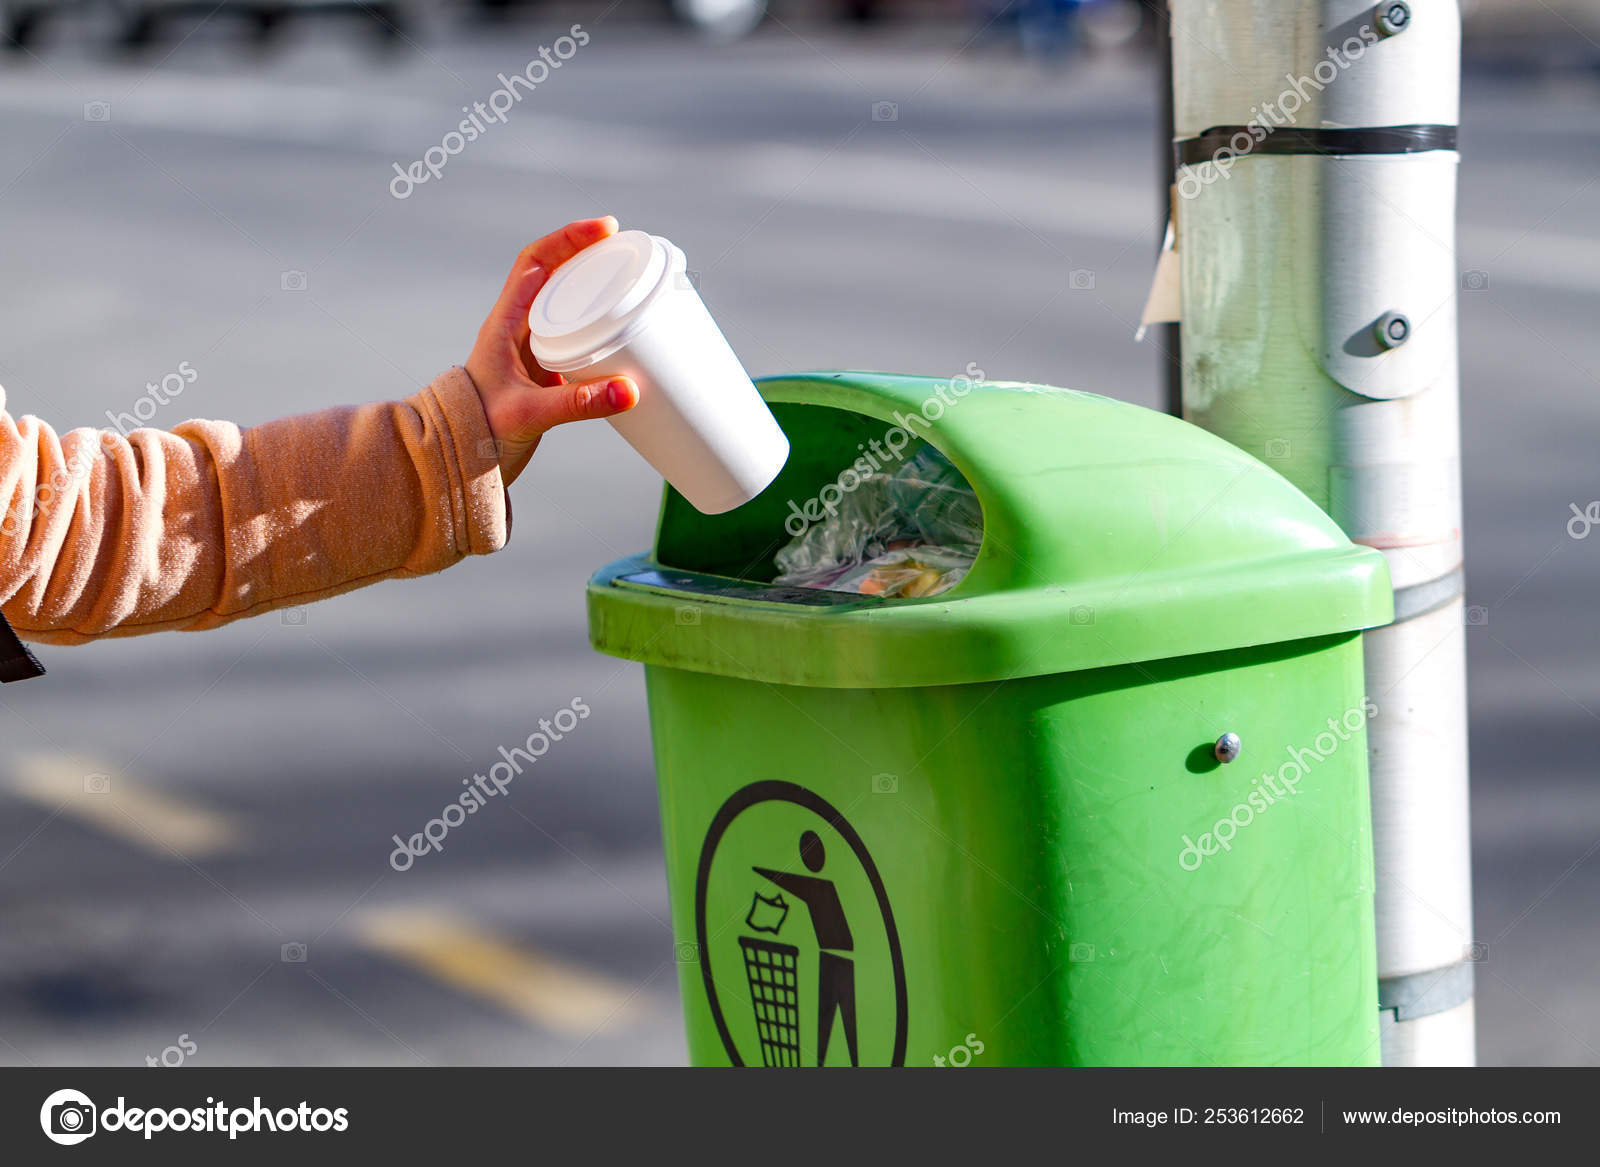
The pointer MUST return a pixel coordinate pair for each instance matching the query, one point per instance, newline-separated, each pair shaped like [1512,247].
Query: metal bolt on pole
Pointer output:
[1316,178]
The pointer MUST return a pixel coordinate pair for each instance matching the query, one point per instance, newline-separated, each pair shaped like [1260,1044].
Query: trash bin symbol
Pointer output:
[781,982]
[772,969]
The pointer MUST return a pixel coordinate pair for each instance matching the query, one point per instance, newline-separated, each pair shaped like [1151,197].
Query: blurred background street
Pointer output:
[195,830]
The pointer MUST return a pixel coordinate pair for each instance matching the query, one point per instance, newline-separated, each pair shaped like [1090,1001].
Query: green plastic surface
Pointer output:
[1030,840]
[1112,534]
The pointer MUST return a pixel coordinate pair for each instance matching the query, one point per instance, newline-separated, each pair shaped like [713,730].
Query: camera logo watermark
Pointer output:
[68,1117]
[881,452]
[481,788]
[1273,788]
[481,115]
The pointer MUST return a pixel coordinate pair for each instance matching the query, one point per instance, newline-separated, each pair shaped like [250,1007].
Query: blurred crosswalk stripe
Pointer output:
[87,789]
[554,994]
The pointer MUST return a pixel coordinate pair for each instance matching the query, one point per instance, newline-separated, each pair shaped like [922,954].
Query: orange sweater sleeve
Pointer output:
[105,535]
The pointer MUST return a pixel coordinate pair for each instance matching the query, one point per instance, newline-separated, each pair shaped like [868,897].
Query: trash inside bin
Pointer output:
[911,532]
[991,825]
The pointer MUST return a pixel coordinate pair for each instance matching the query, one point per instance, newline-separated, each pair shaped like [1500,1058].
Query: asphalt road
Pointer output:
[235,214]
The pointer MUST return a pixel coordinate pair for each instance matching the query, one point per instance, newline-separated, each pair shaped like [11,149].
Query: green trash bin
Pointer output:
[990,827]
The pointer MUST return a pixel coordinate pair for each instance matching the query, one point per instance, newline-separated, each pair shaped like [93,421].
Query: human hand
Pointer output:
[522,400]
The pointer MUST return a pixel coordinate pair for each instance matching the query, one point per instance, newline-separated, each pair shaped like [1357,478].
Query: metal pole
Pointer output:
[1171,336]
[1316,228]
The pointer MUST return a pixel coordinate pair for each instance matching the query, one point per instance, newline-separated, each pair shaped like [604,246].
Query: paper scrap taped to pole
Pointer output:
[1164,306]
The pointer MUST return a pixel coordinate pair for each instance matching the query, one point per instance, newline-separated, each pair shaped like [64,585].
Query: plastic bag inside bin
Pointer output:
[911,532]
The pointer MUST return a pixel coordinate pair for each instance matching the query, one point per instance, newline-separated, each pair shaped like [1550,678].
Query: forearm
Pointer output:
[108,536]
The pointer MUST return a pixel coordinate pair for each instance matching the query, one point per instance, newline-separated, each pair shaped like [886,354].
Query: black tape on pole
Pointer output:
[16,662]
[1208,145]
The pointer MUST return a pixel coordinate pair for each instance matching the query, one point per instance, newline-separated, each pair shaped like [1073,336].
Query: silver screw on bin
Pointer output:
[1227,748]
[1393,18]
[1392,330]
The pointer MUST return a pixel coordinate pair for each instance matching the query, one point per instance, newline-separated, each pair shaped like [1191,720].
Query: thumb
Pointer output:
[555,405]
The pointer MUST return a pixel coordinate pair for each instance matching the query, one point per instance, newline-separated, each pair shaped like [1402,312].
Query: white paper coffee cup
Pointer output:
[626,306]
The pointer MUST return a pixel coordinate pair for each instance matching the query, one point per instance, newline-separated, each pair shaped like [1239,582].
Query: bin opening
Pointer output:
[863,509]
[728,588]
[1099,536]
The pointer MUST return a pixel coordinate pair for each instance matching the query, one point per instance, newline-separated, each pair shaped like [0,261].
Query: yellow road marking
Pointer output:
[548,992]
[87,789]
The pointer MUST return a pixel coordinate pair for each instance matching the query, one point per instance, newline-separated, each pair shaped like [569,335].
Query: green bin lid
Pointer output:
[1112,534]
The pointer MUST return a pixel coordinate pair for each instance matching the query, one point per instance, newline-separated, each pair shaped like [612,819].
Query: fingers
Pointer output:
[541,257]
[507,324]
[518,300]
[559,246]
[511,310]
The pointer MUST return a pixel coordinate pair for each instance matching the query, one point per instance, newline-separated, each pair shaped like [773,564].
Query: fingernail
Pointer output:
[618,394]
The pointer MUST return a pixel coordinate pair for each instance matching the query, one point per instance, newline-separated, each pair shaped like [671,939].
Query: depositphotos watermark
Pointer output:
[61,485]
[174,1055]
[880,452]
[69,1117]
[961,1054]
[481,788]
[80,464]
[1582,521]
[1266,119]
[155,396]
[483,114]
[1273,788]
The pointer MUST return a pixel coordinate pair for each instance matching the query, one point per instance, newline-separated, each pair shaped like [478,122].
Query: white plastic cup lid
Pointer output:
[589,305]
